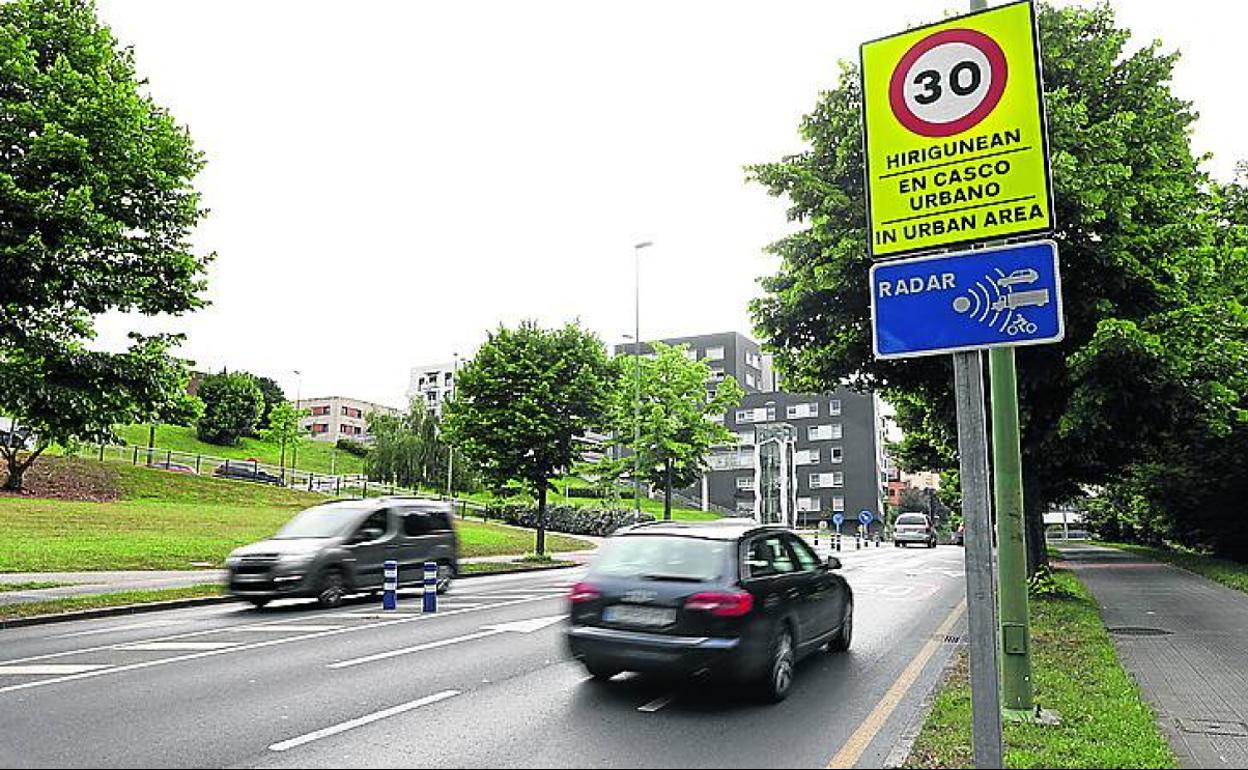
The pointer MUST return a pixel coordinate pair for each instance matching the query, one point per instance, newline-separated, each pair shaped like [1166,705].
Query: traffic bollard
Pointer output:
[857,542]
[389,594]
[838,541]
[431,587]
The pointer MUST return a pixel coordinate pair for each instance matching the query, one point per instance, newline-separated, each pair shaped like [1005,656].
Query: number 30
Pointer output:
[960,85]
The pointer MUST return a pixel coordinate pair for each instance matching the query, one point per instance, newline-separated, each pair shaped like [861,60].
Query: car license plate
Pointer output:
[648,617]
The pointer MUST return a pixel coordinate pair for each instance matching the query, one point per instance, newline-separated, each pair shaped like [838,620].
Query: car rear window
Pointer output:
[912,518]
[662,557]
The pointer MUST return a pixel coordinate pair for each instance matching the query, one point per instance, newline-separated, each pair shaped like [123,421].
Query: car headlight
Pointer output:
[296,559]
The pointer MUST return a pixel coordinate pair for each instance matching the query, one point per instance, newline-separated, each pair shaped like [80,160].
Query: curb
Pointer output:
[899,754]
[200,601]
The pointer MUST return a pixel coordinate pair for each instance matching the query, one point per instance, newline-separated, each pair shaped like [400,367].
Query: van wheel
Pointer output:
[446,575]
[259,602]
[779,677]
[333,589]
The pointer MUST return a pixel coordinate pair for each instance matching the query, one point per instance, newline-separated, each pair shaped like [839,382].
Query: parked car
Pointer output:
[730,599]
[959,535]
[914,528]
[172,466]
[244,470]
[335,549]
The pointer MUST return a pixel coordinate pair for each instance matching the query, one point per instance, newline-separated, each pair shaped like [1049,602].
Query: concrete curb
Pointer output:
[199,601]
[900,752]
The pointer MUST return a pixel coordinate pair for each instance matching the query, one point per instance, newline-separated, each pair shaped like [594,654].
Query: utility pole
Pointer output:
[450,460]
[637,384]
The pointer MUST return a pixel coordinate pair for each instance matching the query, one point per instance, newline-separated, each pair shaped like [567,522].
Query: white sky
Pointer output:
[388,181]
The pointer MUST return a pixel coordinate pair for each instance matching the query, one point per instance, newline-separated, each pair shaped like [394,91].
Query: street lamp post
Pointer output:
[450,460]
[294,447]
[637,368]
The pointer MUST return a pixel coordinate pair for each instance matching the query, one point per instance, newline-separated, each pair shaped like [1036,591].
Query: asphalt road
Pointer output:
[483,683]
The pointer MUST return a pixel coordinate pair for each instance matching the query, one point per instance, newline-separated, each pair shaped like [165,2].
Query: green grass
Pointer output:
[1105,722]
[316,456]
[1228,573]
[96,601]
[30,585]
[492,567]
[179,521]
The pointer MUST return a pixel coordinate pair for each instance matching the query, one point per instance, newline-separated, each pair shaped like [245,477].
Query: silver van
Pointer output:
[339,548]
[914,528]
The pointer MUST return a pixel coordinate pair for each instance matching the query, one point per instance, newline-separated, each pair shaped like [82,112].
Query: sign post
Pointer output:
[957,154]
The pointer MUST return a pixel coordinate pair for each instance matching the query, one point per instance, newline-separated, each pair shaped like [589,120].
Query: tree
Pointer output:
[96,210]
[1137,240]
[411,450]
[232,406]
[283,427]
[522,402]
[272,394]
[676,432]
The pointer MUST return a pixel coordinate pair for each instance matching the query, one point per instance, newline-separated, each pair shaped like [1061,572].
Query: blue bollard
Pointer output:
[431,587]
[389,594]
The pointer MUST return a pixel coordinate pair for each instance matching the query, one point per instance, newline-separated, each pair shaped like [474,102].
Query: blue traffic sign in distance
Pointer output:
[865,518]
[1006,295]
[838,519]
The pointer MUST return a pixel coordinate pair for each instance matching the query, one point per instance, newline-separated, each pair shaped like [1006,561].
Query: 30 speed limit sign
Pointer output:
[955,137]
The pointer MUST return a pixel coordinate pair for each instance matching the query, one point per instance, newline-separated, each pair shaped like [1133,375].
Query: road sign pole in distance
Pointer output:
[953,125]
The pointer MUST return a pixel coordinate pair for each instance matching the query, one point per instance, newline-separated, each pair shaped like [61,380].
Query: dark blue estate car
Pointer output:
[731,598]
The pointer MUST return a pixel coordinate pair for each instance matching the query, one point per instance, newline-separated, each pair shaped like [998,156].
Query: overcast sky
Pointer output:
[388,181]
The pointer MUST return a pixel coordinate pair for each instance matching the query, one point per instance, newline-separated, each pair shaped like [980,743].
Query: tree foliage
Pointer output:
[96,210]
[232,407]
[283,427]
[1143,248]
[676,432]
[272,394]
[523,402]
[410,450]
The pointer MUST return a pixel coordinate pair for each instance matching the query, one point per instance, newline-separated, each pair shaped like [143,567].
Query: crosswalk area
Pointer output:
[226,631]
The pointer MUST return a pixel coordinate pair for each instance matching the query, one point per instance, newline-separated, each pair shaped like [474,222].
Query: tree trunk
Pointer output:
[1033,523]
[541,518]
[14,482]
[667,492]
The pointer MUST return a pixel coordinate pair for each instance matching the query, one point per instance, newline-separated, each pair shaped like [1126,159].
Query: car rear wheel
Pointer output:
[840,642]
[333,589]
[779,678]
[446,574]
[259,602]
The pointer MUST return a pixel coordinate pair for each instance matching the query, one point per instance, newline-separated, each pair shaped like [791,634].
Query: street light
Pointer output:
[450,460]
[637,390]
[294,448]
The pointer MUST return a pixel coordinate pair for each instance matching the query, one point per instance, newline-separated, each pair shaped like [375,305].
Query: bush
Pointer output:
[352,447]
[568,519]
[232,408]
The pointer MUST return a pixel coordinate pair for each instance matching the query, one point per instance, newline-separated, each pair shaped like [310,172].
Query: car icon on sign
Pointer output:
[1024,276]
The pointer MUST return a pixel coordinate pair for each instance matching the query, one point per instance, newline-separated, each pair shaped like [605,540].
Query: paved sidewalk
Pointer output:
[1185,640]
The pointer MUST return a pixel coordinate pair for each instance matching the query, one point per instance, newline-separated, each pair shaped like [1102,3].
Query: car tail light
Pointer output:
[721,604]
[583,592]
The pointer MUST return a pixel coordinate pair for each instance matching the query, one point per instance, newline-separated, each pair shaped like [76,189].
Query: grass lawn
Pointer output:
[318,456]
[1228,573]
[179,521]
[30,585]
[1105,722]
[492,567]
[96,601]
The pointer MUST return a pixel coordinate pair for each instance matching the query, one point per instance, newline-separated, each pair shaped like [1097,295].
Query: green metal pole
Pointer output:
[1007,472]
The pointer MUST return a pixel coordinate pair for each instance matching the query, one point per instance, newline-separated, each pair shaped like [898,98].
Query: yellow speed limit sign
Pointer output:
[956,148]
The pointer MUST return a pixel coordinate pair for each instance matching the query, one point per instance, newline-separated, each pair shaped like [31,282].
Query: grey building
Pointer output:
[836,448]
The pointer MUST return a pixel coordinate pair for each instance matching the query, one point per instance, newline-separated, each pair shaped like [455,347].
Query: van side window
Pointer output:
[415,523]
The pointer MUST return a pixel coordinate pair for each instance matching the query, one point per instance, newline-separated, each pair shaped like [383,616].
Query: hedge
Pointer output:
[569,519]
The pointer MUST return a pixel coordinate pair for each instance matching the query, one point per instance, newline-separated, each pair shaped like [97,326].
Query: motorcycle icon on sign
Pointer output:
[993,298]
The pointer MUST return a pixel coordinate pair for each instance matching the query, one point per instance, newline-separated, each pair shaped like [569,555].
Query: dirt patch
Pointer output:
[67,478]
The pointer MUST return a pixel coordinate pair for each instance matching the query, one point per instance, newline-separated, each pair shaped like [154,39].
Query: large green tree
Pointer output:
[1138,247]
[232,407]
[524,400]
[96,209]
[411,450]
[672,420]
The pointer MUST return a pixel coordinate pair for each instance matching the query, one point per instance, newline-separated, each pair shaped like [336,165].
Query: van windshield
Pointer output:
[912,518]
[321,521]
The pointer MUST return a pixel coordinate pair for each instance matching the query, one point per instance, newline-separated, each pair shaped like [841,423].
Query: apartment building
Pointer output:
[336,417]
[432,384]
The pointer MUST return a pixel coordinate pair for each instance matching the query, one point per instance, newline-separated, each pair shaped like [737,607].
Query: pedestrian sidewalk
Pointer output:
[1185,641]
[91,583]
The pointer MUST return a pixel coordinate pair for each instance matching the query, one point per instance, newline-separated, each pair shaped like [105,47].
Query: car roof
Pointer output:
[728,528]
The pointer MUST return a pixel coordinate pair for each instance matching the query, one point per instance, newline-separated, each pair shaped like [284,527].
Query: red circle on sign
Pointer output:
[897,85]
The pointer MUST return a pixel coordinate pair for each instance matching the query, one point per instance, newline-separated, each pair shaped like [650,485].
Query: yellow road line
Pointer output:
[850,753]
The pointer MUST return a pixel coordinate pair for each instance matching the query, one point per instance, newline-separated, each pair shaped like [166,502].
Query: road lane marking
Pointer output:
[364,720]
[657,703]
[127,627]
[44,670]
[237,648]
[519,626]
[289,627]
[174,646]
[861,738]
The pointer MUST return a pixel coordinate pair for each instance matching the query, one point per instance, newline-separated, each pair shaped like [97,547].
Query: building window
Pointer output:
[838,478]
[820,432]
[808,504]
[691,354]
[798,411]
[827,480]
[834,407]
[838,431]
[717,374]
[838,504]
[806,457]
[745,437]
[320,411]
[750,380]
[320,427]
[837,454]
[715,354]
[745,482]
[754,360]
